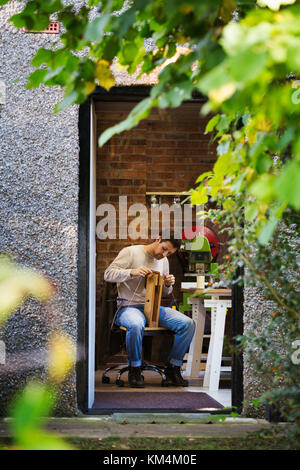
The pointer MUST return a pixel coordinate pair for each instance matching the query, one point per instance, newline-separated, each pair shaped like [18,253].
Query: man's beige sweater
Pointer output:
[131,290]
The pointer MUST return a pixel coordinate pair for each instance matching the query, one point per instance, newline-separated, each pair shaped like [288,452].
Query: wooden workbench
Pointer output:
[209,298]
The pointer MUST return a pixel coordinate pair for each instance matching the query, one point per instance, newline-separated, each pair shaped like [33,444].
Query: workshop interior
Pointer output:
[157,163]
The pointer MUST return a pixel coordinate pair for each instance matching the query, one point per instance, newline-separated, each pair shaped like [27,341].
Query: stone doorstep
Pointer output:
[149,418]
[181,418]
[149,425]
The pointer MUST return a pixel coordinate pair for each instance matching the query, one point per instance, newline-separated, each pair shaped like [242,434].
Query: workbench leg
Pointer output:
[195,351]
[213,316]
[216,357]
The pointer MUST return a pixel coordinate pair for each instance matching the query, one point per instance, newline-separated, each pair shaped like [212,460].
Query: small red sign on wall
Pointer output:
[53,29]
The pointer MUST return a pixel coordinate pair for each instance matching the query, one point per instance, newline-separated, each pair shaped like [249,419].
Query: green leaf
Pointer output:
[246,66]
[50,6]
[212,123]
[70,99]
[227,9]
[111,48]
[176,95]
[43,56]
[29,411]
[36,78]
[139,112]
[200,196]
[287,184]
[228,204]
[41,22]
[222,164]
[128,53]
[251,212]
[293,58]
[263,163]
[200,178]
[223,147]
[223,123]
[95,30]
[214,79]
[31,407]
[52,73]
[267,231]
[238,37]
[22,21]
[122,23]
[263,188]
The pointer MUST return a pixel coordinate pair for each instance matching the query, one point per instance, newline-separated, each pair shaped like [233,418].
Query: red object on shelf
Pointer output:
[191,232]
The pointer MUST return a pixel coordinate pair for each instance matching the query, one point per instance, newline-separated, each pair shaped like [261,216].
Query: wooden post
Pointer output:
[154,284]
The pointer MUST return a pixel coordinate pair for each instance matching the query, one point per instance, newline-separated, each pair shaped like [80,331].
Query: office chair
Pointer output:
[149,331]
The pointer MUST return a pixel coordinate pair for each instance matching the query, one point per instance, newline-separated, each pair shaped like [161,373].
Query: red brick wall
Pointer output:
[165,153]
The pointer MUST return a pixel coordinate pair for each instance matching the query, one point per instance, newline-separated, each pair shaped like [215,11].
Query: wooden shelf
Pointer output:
[155,193]
[207,291]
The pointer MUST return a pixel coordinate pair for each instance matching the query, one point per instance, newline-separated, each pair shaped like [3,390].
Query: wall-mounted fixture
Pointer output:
[155,199]
[176,201]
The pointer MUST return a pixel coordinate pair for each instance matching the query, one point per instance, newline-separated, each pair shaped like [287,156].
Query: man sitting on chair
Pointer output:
[128,270]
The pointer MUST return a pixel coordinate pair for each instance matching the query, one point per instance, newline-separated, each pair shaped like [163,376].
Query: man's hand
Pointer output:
[141,271]
[169,280]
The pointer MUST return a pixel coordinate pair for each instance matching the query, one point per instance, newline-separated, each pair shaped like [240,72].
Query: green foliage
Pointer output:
[36,401]
[253,89]
[29,412]
[272,269]
[244,68]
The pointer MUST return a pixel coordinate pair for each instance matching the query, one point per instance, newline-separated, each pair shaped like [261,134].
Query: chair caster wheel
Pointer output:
[105,380]
[164,383]
[120,383]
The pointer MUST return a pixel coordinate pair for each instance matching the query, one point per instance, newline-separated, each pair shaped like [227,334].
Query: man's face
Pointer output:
[163,249]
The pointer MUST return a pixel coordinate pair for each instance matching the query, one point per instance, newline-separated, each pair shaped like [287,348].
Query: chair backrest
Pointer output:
[109,340]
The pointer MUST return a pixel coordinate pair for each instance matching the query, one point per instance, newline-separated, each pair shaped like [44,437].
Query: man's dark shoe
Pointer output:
[173,374]
[135,377]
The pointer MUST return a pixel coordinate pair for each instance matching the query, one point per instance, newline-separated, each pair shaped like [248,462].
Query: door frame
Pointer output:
[82,369]
[84,322]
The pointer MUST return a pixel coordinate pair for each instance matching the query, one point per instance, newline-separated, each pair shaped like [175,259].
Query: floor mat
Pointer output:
[150,401]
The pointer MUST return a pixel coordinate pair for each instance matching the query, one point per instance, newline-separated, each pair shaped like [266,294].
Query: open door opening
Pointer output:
[155,163]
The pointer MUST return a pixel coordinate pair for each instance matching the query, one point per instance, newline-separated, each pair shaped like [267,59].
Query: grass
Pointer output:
[263,440]
[258,441]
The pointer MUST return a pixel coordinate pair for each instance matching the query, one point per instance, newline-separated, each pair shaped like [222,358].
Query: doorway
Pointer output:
[164,154]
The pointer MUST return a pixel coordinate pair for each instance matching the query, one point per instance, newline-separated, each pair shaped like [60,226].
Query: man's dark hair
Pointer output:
[176,242]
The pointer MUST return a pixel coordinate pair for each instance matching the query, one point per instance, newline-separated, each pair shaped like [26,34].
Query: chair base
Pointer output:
[144,366]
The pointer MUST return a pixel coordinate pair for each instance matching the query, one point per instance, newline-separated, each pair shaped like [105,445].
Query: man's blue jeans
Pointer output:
[132,317]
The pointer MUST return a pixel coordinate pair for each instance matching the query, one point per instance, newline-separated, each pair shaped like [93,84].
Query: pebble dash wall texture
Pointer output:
[38,207]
